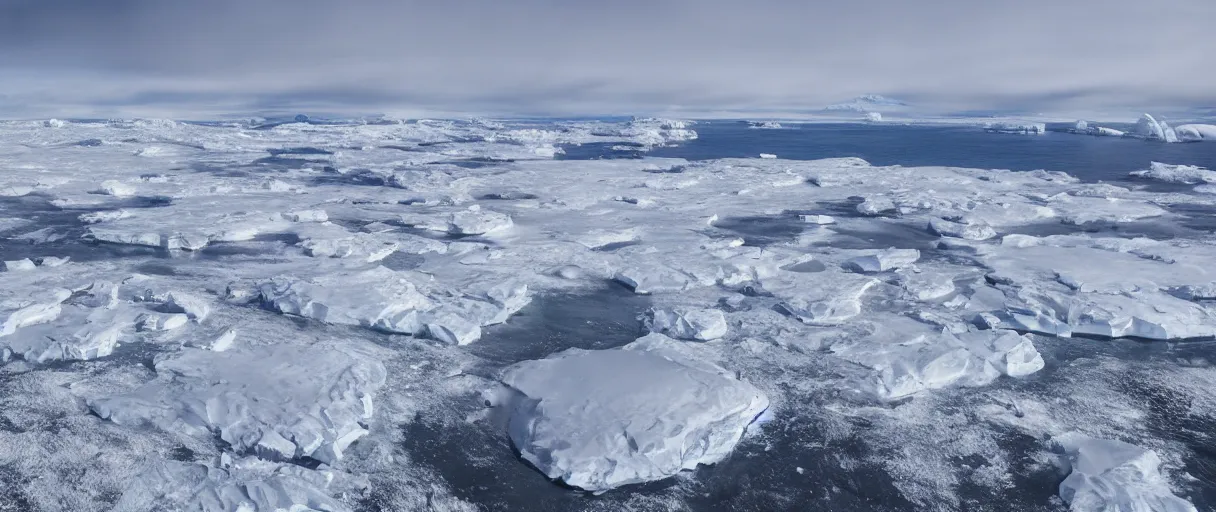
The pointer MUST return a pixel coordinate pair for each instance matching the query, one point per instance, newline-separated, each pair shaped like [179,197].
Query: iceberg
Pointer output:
[1084,128]
[598,420]
[1150,128]
[1181,174]
[1106,475]
[1014,127]
[1196,132]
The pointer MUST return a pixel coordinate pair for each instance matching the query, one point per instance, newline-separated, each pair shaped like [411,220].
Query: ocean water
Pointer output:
[1086,157]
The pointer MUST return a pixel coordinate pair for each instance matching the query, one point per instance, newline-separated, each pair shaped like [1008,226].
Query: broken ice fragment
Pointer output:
[688,324]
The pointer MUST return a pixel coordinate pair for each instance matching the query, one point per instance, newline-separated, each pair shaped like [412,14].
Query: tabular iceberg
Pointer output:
[598,420]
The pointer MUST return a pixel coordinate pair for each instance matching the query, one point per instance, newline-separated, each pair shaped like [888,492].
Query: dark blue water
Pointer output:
[1086,157]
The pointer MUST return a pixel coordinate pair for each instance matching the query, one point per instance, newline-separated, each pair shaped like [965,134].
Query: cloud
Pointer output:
[578,56]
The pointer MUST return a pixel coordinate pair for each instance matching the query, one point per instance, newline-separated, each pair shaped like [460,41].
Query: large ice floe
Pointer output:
[597,420]
[304,314]
[1112,475]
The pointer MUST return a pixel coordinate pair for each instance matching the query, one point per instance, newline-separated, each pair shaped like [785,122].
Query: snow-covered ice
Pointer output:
[597,420]
[1108,475]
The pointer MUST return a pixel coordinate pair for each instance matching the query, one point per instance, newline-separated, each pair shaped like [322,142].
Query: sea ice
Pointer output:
[874,206]
[821,298]
[1113,476]
[245,486]
[883,261]
[281,402]
[906,364]
[976,231]
[1184,174]
[688,324]
[598,420]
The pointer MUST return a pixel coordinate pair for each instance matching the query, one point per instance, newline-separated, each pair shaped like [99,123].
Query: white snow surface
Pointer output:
[598,420]
[1107,475]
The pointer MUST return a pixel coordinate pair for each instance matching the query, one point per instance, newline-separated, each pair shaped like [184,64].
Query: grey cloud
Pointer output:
[534,56]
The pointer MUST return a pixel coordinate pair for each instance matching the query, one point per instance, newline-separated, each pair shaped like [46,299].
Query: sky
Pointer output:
[198,58]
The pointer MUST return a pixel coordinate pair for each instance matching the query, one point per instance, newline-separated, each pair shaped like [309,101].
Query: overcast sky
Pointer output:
[179,57]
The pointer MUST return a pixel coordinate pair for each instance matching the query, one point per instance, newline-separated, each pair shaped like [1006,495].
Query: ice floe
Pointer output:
[1112,475]
[597,420]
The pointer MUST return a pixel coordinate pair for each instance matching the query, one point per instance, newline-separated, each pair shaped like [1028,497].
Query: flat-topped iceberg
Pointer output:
[597,420]
[1108,476]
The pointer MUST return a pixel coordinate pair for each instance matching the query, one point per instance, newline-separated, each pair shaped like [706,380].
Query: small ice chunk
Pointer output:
[569,272]
[452,328]
[688,324]
[104,216]
[19,265]
[16,191]
[161,321]
[883,261]
[478,222]
[977,231]
[1109,475]
[651,278]
[1182,174]
[308,216]
[52,261]
[767,156]
[223,341]
[821,298]
[928,286]
[1015,127]
[817,219]
[195,307]
[874,206]
[598,420]
[116,188]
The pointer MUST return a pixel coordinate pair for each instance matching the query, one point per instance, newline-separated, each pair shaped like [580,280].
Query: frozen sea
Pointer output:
[360,316]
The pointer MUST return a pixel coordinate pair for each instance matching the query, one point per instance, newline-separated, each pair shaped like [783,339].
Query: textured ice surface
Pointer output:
[234,296]
[1184,174]
[244,486]
[698,324]
[1011,127]
[279,402]
[597,420]
[1196,132]
[1106,475]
